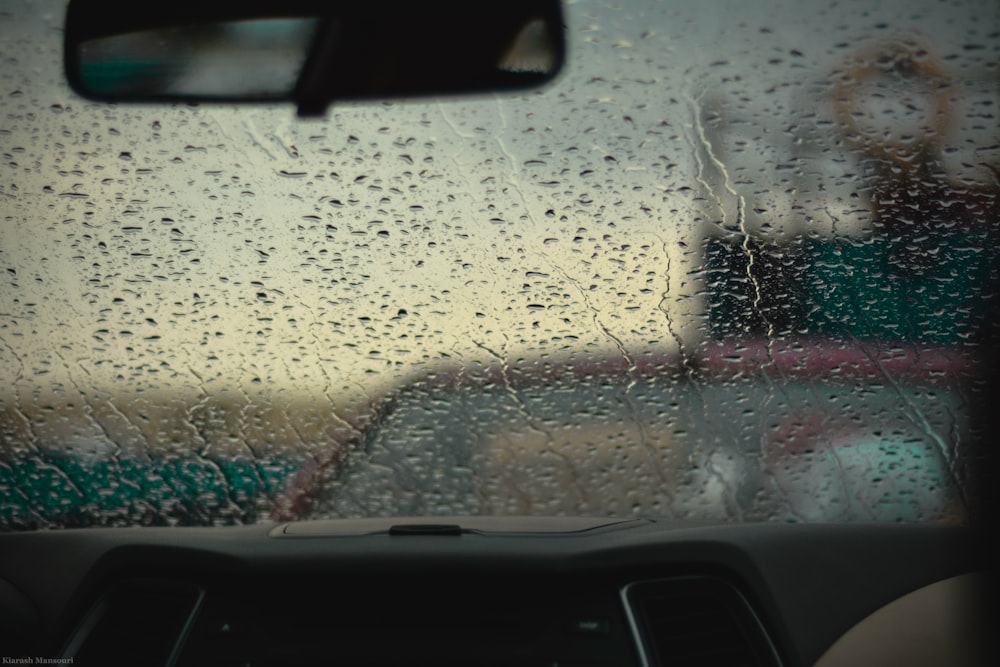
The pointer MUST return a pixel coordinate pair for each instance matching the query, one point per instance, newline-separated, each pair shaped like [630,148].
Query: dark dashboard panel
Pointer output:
[479,597]
[410,618]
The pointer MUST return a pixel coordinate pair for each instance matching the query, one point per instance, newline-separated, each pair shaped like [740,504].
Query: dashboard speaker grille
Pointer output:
[700,621]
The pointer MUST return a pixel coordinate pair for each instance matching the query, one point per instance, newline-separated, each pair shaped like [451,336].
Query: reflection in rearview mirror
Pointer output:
[531,51]
[260,58]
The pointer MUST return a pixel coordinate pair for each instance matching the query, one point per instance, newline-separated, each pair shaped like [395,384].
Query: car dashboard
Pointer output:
[493,591]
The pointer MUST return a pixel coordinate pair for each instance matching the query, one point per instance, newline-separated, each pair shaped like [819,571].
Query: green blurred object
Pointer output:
[858,289]
[932,291]
[187,491]
[115,78]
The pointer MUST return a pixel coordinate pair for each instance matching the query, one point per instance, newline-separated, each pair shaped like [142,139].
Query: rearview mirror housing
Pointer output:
[310,52]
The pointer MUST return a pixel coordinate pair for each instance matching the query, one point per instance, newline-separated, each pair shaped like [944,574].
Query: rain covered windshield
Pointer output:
[735,263]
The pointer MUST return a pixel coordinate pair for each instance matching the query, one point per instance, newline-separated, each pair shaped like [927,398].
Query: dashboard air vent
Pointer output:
[139,622]
[701,621]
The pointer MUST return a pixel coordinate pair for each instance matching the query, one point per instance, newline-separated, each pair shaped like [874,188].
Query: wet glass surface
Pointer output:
[735,263]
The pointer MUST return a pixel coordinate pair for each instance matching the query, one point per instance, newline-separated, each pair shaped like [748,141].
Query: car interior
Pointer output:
[556,333]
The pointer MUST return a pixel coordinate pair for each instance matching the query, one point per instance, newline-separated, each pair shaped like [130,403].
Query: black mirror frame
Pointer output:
[332,72]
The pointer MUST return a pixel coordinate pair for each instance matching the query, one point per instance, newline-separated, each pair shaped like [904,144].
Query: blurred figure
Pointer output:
[921,272]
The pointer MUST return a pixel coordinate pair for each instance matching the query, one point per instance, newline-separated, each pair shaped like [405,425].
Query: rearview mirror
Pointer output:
[310,52]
